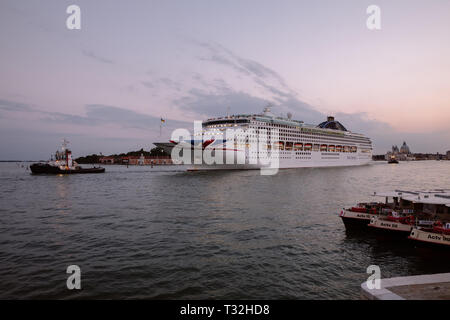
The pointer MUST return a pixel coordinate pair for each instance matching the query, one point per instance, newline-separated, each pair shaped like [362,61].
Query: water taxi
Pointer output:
[363,213]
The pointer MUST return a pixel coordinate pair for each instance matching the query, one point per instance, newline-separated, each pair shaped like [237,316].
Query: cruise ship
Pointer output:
[292,143]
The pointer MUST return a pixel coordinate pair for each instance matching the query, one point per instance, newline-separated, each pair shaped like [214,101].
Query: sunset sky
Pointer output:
[106,86]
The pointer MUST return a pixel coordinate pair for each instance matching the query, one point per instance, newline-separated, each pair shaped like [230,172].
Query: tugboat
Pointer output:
[63,164]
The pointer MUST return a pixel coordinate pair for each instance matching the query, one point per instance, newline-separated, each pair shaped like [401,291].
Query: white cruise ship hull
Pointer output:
[287,160]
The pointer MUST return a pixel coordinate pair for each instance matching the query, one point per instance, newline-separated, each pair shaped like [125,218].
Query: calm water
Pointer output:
[161,233]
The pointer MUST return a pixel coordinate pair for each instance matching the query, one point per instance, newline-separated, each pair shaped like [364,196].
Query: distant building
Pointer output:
[404,148]
[448,155]
[146,160]
[141,160]
[107,160]
[402,155]
[137,160]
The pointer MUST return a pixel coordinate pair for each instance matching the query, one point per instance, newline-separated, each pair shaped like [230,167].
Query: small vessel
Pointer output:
[392,160]
[395,222]
[62,164]
[359,215]
[436,236]
[363,213]
[406,210]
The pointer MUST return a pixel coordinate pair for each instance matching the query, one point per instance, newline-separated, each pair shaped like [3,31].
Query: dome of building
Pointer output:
[404,148]
[332,124]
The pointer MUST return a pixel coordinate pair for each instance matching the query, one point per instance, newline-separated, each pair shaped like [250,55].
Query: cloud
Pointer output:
[148,84]
[170,83]
[100,114]
[126,118]
[58,117]
[8,105]
[218,54]
[94,56]
[213,97]
[213,105]
[96,115]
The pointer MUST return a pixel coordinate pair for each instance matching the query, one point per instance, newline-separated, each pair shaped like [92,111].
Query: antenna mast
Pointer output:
[64,144]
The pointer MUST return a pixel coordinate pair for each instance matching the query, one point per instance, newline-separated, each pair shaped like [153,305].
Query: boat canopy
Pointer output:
[429,198]
[384,194]
[434,196]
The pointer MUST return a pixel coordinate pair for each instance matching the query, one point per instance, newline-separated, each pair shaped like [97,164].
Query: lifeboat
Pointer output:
[298,146]
[288,146]
[279,145]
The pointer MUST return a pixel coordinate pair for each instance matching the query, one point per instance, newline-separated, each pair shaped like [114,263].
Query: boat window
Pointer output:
[228,121]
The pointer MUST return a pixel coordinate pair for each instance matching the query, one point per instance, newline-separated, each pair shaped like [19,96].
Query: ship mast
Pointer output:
[66,151]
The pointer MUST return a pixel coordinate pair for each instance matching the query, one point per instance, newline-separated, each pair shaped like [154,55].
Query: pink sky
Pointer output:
[189,60]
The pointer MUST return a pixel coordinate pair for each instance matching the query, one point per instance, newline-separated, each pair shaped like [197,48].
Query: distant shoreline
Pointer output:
[22,160]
